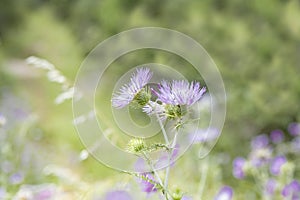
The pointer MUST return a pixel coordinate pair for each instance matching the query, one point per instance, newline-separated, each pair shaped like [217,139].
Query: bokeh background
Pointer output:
[255,44]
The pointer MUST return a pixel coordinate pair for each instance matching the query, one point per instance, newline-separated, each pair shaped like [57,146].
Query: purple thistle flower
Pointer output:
[276,165]
[117,195]
[204,135]
[295,144]
[2,193]
[16,178]
[179,92]
[128,92]
[292,190]
[270,187]
[260,141]
[225,193]
[294,129]
[238,165]
[277,136]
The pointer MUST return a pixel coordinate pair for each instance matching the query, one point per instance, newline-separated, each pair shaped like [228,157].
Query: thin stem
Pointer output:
[162,129]
[170,158]
[204,170]
[152,168]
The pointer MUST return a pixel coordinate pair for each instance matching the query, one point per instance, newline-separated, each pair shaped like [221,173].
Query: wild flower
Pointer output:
[134,91]
[239,168]
[277,136]
[292,190]
[179,92]
[276,164]
[225,193]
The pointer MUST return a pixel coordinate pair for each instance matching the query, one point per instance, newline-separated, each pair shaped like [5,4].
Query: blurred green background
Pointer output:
[255,44]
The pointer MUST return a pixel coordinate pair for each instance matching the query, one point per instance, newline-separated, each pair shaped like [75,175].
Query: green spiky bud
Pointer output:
[136,145]
[141,98]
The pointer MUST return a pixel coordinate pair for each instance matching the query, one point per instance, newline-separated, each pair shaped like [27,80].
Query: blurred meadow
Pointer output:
[255,44]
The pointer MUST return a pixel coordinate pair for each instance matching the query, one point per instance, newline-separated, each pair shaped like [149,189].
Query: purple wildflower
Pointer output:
[118,195]
[260,141]
[204,135]
[179,92]
[294,129]
[295,144]
[129,91]
[270,187]
[238,165]
[292,190]
[276,165]
[260,156]
[16,178]
[225,193]
[277,136]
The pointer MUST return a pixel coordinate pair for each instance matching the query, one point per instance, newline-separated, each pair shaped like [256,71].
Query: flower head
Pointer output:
[260,141]
[238,168]
[292,190]
[294,129]
[225,193]
[134,91]
[276,164]
[270,187]
[179,92]
[277,136]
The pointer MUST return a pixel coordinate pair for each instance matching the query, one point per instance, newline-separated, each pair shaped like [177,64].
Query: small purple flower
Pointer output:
[204,135]
[292,190]
[118,195]
[179,92]
[16,178]
[277,136]
[238,165]
[260,141]
[294,129]
[129,91]
[276,165]
[270,187]
[225,193]
[295,144]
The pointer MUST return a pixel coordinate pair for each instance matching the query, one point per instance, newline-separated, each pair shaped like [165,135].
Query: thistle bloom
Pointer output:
[179,92]
[294,129]
[276,165]
[260,141]
[292,190]
[270,187]
[238,168]
[225,193]
[133,90]
[277,136]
